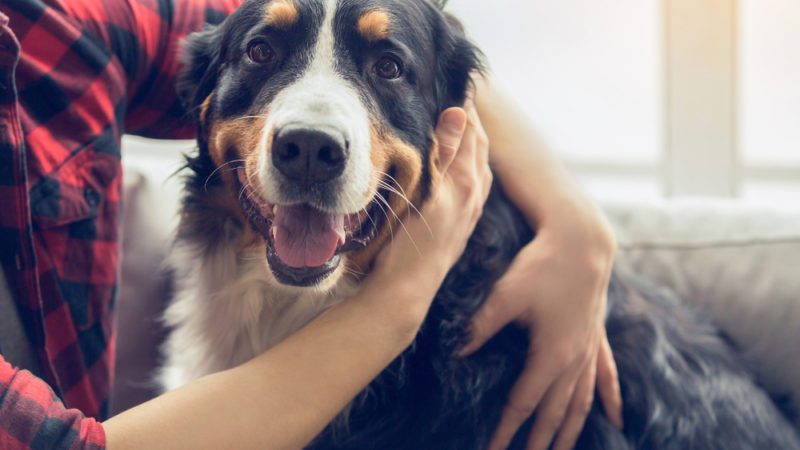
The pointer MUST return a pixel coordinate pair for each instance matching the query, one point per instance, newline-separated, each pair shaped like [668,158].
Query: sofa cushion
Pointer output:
[739,263]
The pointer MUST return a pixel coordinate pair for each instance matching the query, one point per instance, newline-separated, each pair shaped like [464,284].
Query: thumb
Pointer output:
[449,132]
[493,315]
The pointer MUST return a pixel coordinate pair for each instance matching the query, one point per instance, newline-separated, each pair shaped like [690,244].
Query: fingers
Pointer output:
[608,384]
[493,315]
[579,408]
[449,133]
[551,412]
[522,401]
[481,140]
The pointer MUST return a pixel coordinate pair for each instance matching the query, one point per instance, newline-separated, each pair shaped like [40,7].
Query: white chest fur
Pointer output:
[228,309]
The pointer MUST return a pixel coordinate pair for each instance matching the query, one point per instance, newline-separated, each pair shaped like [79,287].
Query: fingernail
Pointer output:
[453,120]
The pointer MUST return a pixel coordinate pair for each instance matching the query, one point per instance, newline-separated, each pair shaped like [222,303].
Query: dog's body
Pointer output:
[683,386]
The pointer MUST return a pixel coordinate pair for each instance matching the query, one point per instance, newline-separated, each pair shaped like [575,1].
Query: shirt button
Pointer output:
[91,196]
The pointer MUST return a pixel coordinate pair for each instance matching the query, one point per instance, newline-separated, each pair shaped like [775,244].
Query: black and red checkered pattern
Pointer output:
[74,76]
[32,416]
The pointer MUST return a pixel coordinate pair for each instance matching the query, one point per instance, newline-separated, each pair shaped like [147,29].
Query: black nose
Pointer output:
[309,156]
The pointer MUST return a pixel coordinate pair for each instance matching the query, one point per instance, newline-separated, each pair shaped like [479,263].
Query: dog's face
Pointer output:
[326,110]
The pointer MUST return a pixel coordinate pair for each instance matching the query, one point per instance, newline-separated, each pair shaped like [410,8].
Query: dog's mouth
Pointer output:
[304,243]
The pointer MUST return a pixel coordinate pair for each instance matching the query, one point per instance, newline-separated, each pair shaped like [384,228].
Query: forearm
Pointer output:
[535,181]
[285,397]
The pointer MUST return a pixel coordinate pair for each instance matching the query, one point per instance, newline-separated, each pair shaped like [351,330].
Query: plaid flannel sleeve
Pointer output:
[32,416]
[146,36]
[162,25]
[155,110]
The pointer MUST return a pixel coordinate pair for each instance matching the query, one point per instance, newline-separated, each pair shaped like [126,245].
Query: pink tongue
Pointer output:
[306,237]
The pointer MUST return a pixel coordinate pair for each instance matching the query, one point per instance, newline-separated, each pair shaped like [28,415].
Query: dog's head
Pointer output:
[326,110]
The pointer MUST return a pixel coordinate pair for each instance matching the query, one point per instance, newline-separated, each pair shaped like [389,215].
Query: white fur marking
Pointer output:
[228,309]
[323,99]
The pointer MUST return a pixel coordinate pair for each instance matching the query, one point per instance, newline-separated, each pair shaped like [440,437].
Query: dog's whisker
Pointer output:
[218,169]
[249,190]
[386,216]
[391,189]
[417,212]
[248,186]
[369,217]
[404,197]
[251,176]
[262,116]
[401,223]
[354,273]
[402,194]
[349,198]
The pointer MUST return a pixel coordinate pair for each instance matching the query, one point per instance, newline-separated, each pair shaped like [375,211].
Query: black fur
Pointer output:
[683,385]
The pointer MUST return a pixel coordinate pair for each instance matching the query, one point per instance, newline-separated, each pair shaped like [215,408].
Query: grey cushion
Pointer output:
[739,263]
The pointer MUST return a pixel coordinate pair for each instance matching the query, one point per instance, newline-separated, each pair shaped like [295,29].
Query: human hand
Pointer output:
[434,239]
[556,288]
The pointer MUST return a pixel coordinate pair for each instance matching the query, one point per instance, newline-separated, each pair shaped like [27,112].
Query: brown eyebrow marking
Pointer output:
[374,25]
[282,14]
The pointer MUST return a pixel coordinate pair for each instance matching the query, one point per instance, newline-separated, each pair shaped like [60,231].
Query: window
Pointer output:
[650,98]
[647,98]
[589,73]
[769,99]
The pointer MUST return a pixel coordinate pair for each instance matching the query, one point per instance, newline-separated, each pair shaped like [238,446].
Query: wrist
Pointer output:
[581,231]
[400,303]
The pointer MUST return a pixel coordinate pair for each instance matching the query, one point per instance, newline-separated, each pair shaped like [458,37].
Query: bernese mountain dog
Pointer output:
[315,126]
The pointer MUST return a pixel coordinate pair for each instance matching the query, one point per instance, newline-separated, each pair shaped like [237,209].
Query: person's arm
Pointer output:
[286,396]
[556,286]
[283,398]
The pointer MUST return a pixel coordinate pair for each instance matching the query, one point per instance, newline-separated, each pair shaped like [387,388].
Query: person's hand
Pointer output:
[429,243]
[556,288]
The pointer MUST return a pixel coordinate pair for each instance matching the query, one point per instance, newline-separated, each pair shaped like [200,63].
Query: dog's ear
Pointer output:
[458,61]
[201,63]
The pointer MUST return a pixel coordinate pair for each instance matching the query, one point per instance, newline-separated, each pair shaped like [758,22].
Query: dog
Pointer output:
[315,128]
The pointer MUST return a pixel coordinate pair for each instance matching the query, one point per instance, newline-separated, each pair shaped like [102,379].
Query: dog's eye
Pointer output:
[261,53]
[389,68]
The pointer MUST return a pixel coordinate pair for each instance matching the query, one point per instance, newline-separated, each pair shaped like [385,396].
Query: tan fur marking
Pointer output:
[240,136]
[390,151]
[374,25]
[204,109]
[282,14]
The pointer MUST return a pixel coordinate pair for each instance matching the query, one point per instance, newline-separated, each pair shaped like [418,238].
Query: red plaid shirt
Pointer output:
[74,76]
